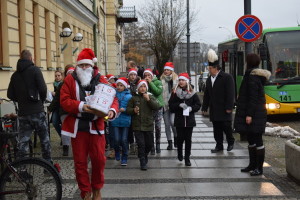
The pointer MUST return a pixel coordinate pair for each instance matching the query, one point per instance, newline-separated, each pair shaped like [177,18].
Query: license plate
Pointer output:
[298,110]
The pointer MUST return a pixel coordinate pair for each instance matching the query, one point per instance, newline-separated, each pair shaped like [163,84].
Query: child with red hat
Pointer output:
[85,125]
[141,107]
[122,123]
[184,102]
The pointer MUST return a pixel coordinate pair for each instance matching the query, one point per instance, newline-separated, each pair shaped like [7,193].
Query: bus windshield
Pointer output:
[284,56]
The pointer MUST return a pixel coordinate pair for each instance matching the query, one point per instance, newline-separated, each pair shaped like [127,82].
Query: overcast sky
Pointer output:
[224,13]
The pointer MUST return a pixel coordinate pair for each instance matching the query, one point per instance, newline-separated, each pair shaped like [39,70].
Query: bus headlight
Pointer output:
[273,106]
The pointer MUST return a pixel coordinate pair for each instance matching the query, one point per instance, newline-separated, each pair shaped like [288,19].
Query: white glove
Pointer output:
[183,106]
[190,109]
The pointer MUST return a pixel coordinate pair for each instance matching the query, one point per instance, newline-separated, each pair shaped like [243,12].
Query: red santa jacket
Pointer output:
[70,102]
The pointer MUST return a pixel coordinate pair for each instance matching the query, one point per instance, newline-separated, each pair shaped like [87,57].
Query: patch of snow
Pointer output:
[279,131]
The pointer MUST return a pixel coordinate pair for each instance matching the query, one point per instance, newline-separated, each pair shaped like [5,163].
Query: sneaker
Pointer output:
[124,161]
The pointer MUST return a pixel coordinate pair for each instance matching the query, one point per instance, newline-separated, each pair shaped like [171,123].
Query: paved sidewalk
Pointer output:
[211,176]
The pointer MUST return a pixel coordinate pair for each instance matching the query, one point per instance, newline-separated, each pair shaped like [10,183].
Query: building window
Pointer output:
[48,38]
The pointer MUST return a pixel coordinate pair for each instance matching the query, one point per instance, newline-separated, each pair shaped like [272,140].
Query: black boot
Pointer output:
[252,158]
[157,147]
[143,163]
[179,154]
[260,158]
[152,151]
[187,161]
[65,150]
[175,142]
[170,147]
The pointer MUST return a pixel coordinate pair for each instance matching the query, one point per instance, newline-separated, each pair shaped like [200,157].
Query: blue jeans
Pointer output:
[56,121]
[121,138]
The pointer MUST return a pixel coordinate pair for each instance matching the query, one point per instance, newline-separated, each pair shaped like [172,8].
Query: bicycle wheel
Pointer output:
[38,180]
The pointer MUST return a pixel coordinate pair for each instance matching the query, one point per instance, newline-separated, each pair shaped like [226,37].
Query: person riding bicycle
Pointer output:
[27,87]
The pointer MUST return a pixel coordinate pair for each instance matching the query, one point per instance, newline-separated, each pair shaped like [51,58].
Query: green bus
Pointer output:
[279,49]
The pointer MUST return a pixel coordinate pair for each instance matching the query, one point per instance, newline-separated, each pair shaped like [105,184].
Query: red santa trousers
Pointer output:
[86,144]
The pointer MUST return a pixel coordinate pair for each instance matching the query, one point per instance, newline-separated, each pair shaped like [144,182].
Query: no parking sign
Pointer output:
[248,28]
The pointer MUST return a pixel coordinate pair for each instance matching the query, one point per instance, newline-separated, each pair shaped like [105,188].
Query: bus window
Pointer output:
[284,52]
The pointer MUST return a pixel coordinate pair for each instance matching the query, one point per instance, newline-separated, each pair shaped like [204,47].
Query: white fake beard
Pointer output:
[84,75]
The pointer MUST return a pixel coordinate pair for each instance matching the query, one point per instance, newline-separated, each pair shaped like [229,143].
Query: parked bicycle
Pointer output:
[27,178]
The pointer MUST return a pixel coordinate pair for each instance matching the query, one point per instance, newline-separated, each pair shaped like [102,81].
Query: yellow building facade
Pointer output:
[37,25]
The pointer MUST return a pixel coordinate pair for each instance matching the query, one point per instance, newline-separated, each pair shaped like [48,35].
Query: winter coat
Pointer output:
[27,81]
[133,86]
[143,121]
[190,99]
[219,98]
[71,103]
[123,120]
[251,102]
[155,87]
[168,86]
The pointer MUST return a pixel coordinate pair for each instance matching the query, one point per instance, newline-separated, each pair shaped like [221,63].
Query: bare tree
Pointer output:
[160,36]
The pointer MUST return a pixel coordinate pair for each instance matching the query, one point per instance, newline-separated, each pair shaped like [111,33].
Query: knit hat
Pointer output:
[86,56]
[212,58]
[140,83]
[132,71]
[169,65]
[149,71]
[70,70]
[124,81]
[110,76]
[184,76]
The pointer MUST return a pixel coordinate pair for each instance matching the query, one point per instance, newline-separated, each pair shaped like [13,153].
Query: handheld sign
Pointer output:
[248,28]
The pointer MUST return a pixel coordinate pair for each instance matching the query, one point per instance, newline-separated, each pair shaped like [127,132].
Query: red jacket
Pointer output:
[70,102]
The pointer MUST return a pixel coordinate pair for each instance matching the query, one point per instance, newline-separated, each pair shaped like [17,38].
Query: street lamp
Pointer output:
[78,37]
[231,34]
[66,32]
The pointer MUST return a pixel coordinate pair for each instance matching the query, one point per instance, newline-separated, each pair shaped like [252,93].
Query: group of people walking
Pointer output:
[142,100]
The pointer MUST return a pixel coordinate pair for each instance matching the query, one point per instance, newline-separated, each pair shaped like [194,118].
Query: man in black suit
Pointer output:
[219,98]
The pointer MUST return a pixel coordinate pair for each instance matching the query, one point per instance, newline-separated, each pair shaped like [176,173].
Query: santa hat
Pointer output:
[149,71]
[140,83]
[212,58]
[184,76]
[70,70]
[169,65]
[86,56]
[124,81]
[132,71]
[110,76]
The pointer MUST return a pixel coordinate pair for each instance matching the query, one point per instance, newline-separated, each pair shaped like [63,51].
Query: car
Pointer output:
[202,81]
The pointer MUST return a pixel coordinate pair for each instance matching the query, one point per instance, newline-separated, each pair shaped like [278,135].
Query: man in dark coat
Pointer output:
[219,98]
[27,87]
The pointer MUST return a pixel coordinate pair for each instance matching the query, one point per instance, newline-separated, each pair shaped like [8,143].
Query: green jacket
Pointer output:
[156,88]
[143,121]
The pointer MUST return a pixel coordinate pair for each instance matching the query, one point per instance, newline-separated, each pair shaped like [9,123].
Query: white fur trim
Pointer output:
[150,72]
[132,72]
[261,72]
[80,107]
[72,135]
[168,67]
[95,131]
[116,114]
[123,82]
[184,78]
[111,78]
[85,61]
[140,84]
[95,60]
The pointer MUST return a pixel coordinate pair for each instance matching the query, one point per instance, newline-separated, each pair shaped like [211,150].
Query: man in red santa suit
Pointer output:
[84,125]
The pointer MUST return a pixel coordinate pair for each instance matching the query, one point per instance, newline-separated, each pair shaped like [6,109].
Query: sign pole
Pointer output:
[247,11]
[188,37]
